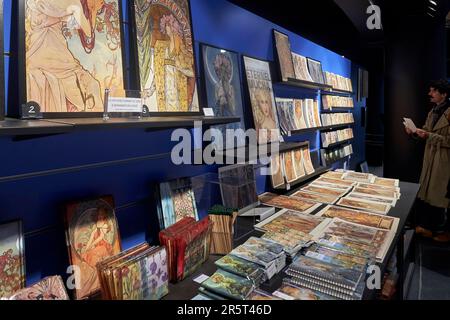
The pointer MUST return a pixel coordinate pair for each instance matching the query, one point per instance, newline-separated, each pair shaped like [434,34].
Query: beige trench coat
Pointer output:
[436,164]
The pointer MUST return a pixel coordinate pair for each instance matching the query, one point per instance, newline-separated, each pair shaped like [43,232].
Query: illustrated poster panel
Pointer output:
[166,55]
[93,235]
[284,56]
[73,53]
[223,87]
[262,100]
[12,264]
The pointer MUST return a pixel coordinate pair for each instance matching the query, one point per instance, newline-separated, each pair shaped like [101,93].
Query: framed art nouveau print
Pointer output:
[259,82]
[70,52]
[284,55]
[165,56]
[12,258]
[92,235]
[223,86]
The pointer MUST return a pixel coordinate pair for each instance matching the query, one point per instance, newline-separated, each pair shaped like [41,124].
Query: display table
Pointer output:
[188,289]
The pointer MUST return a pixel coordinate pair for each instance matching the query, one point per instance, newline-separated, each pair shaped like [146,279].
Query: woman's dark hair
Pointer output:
[442,86]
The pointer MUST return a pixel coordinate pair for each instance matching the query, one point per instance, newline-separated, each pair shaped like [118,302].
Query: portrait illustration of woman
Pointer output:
[94,236]
[265,118]
[72,53]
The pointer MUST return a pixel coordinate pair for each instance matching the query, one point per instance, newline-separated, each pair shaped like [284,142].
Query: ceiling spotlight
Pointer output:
[433,2]
[430,14]
[431,8]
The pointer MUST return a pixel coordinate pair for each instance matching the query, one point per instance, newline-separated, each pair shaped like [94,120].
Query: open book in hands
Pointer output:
[409,124]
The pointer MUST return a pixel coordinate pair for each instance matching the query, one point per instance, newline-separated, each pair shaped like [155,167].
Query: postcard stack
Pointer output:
[332,119]
[290,203]
[331,156]
[188,246]
[139,273]
[338,82]
[268,254]
[296,114]
[290,229]
[222,229]
[333,137]
[291,166]
[335,102]
[243,268]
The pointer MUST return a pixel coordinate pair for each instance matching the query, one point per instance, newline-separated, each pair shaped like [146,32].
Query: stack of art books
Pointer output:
[224,285]
[266,253]
[290,166]
[294,114]
[139,273]
[291,291]
[335,119]
[338,82]
[336,102]
[188,246]
[335,274]
[243,268]
[331,156]
[290,203]
[177,201]
[290,229]
[333,137]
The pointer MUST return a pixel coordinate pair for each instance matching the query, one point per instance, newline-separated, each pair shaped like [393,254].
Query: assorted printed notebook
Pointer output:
[50,288]
[188,246]
[139,273]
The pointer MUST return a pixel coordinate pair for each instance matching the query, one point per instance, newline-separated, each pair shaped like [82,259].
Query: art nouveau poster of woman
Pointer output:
[73,53]
[94,236]
[166,56]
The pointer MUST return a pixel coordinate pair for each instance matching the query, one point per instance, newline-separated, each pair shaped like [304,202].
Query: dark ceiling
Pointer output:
[340,25]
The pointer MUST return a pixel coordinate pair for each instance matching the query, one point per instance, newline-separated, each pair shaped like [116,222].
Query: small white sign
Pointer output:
[132,105]
[209,112]
[201,279]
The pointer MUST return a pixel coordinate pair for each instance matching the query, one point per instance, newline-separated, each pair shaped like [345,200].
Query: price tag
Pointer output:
[209,112]
[31,110]
[201,279]
[123,105]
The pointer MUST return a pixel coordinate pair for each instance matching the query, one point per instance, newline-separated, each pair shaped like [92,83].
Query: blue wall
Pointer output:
[39,196]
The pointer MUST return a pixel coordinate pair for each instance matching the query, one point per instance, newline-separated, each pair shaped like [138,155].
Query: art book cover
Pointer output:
[292,292]
[298,164]
[333,175]
[307,161]
[243,268]
[304,223]
[379,188]
[320,184]
[348,246]
[260,295]
[301,68]
[165,50]
[385,182]
[277,175]
[330,273]
[361,217]
[284,54]
[299,115]
[365,197]
[50,288]
[291,240]
[337,257]
[370,206]
[377,193]
[229,285]
[379,238]
[284,202]
[258,253]
[359,177]
[289,169]
[12,258]
[340,182]
[92,235]
[177,201]
[315,197]
[338,193]
[259,83]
